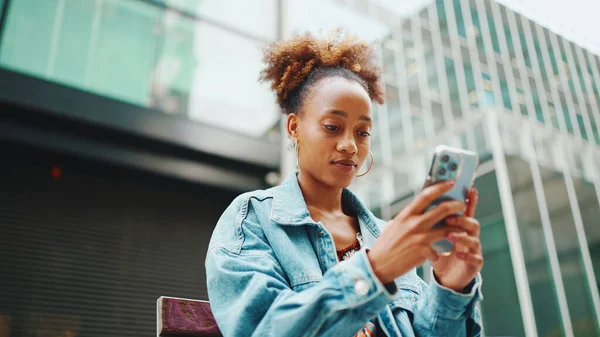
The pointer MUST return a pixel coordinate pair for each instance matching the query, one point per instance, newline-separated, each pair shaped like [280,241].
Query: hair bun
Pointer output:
[289,62]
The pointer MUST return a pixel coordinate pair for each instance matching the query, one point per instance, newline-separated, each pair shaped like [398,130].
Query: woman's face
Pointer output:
[333,131]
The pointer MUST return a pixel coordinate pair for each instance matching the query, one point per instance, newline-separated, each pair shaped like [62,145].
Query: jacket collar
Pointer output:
[289,207]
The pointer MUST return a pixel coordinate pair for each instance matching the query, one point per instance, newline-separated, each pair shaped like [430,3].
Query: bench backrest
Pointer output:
[184,317]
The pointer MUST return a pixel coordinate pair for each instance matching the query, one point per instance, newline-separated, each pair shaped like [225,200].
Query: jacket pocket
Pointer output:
[302,282]
[407,299]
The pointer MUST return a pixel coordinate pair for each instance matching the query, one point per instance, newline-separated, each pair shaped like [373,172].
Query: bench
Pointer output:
[184,317]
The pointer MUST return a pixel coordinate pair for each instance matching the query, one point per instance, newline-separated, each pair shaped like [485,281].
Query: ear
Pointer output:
[292,126]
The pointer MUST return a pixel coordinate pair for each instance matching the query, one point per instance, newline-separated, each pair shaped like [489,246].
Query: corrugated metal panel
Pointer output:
[91,252]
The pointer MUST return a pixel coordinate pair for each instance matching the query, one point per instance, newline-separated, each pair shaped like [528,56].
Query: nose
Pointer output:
[347,144]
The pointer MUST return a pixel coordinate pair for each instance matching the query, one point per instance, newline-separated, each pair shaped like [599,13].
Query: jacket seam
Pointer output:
[241,216]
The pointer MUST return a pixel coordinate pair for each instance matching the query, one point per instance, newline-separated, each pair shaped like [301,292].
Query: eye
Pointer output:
[364,134]
[331,127]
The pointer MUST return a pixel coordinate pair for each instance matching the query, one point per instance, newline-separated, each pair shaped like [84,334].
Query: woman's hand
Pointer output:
[457,270]
[406,240]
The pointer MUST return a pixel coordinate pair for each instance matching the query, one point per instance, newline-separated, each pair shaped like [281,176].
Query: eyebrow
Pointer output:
[345,115]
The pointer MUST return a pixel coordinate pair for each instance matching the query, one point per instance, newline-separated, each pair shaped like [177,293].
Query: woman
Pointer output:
[307,258]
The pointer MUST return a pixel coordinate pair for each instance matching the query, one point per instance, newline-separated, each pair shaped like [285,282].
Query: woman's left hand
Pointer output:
[457,270]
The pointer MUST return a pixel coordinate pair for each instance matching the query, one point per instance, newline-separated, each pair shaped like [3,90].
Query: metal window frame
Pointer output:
[387,179]
[455,47]
[490,53]
[595,77]
[425,109]
[522,67]
[537,74]
[560,113]
[440,65]
[565,84]
[473,51]
[505,57]
[3,18]
[538,185]
[582,240]
[578,91]
[512,228]
[403,93]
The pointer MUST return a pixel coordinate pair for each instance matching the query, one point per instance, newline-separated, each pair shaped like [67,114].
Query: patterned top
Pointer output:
[370,329]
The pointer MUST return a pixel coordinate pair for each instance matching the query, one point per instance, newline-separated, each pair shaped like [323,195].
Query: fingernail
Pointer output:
[475,191]
[452,237]
[451,220]
[449,182]
[461,256]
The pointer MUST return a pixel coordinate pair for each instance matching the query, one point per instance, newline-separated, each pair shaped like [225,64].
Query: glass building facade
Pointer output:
[176,56]
[466,73]
[475,74]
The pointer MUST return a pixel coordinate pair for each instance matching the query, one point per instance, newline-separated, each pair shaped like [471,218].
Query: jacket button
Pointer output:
[414,299]
[361,287]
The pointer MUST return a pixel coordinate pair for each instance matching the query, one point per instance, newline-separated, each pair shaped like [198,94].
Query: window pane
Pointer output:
[460,22]
[256,17]
[320,17]
[492,27]
[84,45]
[225,91]
[28,35]
[543,294]
[590,213]
[569,255]
[389,61]
[581,124]
[172,76]
[499,287]
[125,44]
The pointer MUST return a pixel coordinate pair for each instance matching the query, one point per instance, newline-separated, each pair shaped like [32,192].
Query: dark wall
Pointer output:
[53,116]
[89,247]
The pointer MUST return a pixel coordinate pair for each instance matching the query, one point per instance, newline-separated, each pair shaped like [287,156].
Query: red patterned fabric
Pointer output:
[345,253]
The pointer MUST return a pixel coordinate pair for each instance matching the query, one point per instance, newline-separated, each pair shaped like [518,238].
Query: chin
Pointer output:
[339,181]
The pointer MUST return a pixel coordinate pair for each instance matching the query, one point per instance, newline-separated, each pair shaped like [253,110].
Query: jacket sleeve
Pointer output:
[250,295]
[441,311]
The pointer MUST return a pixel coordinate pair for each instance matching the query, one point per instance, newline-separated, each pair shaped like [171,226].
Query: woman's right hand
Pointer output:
[406,240]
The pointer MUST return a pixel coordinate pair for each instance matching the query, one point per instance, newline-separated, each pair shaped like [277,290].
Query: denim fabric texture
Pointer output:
[273,271]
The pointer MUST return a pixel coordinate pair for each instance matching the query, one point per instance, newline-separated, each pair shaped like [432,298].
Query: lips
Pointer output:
[346,162]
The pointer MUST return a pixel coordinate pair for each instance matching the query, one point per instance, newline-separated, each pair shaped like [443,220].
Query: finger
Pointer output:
[465,243]
[440,212]
[438,234]
[427,196]
[472,202]
[470,225]
[475,261]
[433,255]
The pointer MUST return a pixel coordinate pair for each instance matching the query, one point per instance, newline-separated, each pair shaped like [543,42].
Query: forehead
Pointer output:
[339,94]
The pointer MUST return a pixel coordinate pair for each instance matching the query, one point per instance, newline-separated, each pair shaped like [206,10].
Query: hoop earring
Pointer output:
[370,166]
[297,160]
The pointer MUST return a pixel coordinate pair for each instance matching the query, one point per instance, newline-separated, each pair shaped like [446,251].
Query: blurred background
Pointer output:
[127,127]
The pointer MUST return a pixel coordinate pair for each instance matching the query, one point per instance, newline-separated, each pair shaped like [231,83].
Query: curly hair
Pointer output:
[294,66]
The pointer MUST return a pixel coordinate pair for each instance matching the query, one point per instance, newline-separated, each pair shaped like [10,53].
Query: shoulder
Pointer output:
[247,208]
[247,204]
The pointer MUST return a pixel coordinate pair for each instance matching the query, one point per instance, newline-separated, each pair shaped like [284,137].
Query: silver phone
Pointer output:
[451,164]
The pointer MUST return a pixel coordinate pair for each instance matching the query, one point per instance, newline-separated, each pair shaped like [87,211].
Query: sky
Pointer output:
[576,20]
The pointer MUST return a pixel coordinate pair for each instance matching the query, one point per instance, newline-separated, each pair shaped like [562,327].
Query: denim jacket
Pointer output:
[273,271]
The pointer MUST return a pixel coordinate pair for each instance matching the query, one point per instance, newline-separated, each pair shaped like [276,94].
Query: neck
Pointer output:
[318,195]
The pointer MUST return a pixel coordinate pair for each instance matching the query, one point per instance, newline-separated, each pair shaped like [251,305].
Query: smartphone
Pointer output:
[451,164]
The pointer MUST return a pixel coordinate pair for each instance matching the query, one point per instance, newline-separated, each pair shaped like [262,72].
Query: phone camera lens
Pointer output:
[453,167]
[445,158]
[442,171]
